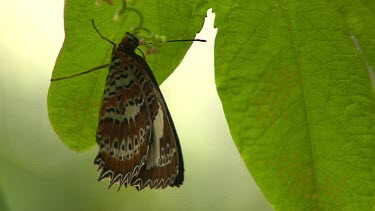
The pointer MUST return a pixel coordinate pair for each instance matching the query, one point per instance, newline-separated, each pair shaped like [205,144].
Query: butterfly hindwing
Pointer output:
[164,165]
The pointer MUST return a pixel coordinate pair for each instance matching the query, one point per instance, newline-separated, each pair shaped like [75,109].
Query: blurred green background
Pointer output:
[39,173]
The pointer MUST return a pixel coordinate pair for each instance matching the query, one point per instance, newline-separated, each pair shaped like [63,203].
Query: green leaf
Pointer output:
[297,97]
[295,89]
[73,104]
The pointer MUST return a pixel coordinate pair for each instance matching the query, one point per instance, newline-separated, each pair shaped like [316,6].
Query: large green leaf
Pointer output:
[297,97]
[295,89]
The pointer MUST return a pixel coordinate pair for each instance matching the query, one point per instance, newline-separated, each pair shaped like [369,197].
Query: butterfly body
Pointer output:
[138,143]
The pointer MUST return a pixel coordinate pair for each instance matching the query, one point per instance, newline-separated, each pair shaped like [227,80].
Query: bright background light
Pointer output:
[38,172]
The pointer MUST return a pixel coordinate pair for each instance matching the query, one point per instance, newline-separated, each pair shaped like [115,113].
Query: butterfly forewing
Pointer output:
[124,126]
[138,143]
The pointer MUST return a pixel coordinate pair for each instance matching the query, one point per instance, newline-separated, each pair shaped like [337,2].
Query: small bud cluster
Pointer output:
[152,43]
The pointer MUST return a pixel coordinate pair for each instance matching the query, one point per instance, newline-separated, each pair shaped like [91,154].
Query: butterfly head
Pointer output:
[129,42]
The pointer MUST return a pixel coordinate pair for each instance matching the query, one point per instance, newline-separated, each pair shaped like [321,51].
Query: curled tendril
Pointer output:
[151,41]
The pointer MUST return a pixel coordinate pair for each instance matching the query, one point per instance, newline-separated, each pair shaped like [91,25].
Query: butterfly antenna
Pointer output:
[104,38]
[188,40]
[191,40]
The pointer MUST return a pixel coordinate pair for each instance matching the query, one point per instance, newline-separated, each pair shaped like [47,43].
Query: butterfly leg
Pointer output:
[78,74]
[143,55]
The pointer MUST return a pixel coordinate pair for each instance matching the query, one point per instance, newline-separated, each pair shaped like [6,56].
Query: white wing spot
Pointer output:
[131,111]
[157,131]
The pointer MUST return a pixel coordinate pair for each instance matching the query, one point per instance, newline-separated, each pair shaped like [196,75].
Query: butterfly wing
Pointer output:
[164,163]
[136,135]
[125,125]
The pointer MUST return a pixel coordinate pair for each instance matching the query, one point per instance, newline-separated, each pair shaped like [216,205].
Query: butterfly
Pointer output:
[138,142]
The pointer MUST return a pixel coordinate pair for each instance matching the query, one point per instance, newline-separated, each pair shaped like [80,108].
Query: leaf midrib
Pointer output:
[302,82]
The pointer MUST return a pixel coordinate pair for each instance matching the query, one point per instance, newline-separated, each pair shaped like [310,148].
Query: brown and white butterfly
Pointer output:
[138,143]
